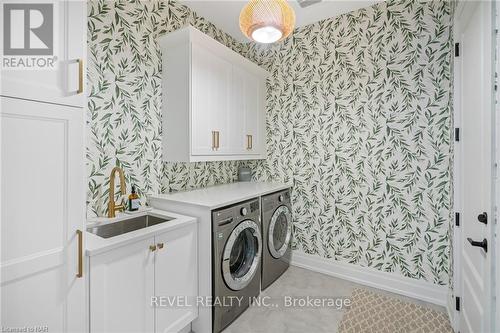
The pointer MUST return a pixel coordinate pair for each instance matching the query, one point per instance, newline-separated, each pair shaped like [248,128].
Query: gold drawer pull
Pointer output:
[249,142]
[80,76]
[215,140]
[152,248]
[79,233]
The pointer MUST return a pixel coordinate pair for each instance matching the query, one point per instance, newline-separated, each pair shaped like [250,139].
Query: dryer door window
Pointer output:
[280,231]
[242,254]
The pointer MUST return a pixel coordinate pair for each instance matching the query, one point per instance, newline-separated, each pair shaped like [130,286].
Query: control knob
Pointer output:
[244,211]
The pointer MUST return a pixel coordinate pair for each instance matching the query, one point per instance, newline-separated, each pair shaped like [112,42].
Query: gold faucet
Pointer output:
[112,206]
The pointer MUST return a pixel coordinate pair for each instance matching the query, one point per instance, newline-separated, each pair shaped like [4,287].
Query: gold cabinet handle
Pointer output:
[215,140]
[152,248]
[160,246]
[80,76]
[249,142]
[79,233]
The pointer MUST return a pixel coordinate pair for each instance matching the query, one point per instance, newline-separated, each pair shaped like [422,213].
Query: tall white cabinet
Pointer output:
[43,186]
[213,100]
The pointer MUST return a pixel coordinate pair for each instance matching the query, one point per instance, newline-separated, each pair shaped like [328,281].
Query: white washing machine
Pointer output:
[276,235]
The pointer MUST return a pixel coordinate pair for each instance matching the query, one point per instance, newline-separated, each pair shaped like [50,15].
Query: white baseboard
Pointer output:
[418,289]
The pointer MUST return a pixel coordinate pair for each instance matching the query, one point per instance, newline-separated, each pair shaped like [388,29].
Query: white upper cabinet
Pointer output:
[213,101]
[67,28]
[249,97]
[211,89]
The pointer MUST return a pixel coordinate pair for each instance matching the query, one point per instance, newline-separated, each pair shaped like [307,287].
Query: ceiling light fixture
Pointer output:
[267,21]
[307,3]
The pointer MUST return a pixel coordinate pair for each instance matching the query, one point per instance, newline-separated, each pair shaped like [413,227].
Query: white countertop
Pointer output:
[217,196]
[95,244]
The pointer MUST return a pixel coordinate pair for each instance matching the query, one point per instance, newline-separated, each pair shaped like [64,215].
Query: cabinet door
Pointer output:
[255,115]
[210,99]
[121,287]
[247,111]
[238,111]
[176,278]
[61,83]
[43,206]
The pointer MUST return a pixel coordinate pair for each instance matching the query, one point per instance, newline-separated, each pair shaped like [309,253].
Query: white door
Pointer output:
[476,109]
[65,84]
[211,80]
[176,274]
[122,283]
[42,208]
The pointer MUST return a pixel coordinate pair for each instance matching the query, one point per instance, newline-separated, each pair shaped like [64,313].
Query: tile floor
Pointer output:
[297,282]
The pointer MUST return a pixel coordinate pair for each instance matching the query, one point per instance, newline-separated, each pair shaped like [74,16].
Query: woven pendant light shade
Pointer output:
[267,21]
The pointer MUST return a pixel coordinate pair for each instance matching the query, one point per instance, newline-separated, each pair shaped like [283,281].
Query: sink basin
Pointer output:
[122,227]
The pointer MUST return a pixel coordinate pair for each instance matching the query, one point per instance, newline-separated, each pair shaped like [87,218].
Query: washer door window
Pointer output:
[280,231]
[241,255]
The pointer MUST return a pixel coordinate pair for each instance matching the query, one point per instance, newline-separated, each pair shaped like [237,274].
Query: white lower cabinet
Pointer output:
[123,282]
[121,286]
[176,277]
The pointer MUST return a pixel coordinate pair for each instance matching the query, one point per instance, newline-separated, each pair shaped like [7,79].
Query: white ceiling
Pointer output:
[225,13]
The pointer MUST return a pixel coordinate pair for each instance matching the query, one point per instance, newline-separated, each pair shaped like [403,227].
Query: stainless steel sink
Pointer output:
[124,226]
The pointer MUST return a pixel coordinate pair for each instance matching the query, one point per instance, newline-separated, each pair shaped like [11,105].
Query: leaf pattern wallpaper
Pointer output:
[124,104]
[358,118]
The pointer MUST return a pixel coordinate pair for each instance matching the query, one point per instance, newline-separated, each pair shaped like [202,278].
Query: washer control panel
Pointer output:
[232,214]
[254,206]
